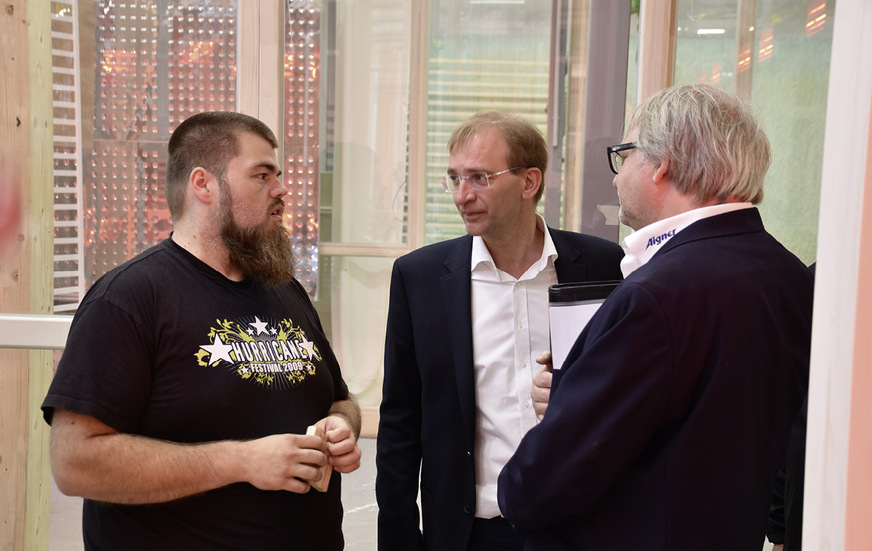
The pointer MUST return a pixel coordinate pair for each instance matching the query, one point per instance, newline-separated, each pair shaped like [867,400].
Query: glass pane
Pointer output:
[791,70]
[354,86]
[483,55]
[302,77]
[353,305]
[365,120]
[705,50]
[777,52]
[144,67]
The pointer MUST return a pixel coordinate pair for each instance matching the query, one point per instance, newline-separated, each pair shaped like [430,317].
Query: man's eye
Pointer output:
[478,179]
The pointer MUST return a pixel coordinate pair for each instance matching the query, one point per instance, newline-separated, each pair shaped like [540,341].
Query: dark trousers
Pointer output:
[494,534]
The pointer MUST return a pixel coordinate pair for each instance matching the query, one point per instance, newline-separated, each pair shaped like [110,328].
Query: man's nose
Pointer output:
[464,189]
[280,189]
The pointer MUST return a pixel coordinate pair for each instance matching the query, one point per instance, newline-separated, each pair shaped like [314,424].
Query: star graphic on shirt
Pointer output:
[218,350]
[309,346]
[259,325]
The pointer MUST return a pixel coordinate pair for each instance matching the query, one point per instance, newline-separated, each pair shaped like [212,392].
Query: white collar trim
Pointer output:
[640,246]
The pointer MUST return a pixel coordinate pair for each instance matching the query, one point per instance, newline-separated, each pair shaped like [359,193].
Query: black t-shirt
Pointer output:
[166,347]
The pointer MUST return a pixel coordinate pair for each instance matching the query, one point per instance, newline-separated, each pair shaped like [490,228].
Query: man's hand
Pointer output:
[285,461]
[541,392]
[342,448]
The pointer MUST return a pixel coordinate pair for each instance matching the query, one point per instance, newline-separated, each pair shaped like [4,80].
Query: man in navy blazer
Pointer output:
[466,322]
[671,415]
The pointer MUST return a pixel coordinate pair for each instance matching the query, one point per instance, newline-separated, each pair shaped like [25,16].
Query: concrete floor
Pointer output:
[358,498]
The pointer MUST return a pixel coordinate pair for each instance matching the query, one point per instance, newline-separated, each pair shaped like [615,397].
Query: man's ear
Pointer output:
[532,182]
[203,185]
[661,171]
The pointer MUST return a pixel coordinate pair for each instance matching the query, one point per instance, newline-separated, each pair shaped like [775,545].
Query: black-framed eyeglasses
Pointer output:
[616,160]
[476,180]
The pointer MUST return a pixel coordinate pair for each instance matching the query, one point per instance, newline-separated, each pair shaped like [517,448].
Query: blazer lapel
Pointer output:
[457,298]
[568,266]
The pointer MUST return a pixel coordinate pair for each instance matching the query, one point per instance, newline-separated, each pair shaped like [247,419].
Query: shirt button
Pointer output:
[527,404]
[523,365]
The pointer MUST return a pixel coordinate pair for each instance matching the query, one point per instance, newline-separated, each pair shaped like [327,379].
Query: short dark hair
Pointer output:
[207,140]
[527,146]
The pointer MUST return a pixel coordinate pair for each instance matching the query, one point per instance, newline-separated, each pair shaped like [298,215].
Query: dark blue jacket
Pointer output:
[671,416]
[427,418]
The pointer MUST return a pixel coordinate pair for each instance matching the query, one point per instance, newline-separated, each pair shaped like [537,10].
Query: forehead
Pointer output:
[254,151]
[482,150]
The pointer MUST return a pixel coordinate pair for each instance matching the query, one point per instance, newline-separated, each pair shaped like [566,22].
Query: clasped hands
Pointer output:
[290,461]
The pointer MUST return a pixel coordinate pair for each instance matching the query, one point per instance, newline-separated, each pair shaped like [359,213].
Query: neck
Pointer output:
[208,249]
[516,254]
[672,202]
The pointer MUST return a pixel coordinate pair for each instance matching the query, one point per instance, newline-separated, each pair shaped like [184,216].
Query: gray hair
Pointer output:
[713,140]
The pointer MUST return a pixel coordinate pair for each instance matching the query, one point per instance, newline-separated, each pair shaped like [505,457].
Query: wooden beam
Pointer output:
[271,64]
[656,46]
[41,236]
[259,66]
[14,116]
[247,59]
[418,79]
[579,25]
[25,267]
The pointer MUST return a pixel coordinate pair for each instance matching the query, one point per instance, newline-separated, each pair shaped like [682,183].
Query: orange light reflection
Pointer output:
[816,19]
[764,52]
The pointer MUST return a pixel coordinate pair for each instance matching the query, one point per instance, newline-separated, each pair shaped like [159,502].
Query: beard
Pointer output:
[262,252]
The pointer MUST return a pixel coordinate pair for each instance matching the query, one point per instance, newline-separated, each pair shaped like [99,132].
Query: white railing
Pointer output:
[34,331]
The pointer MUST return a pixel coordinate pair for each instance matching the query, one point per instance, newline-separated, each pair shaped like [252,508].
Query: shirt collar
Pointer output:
[640,246]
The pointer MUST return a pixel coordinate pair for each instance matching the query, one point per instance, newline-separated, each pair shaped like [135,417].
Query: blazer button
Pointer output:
[467,509]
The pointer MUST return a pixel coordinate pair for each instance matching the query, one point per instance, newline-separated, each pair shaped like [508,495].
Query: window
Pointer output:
[778,54]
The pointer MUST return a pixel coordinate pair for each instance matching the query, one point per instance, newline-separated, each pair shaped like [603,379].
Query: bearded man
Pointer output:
[192,372]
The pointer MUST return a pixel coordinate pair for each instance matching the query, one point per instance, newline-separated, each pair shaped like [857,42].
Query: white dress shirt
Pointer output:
[509,330]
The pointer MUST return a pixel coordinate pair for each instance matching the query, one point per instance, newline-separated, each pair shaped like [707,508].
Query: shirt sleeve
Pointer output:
[105,370]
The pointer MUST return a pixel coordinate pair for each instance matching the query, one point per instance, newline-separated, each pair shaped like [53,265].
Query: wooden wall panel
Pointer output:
[25,268]
[656,46]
